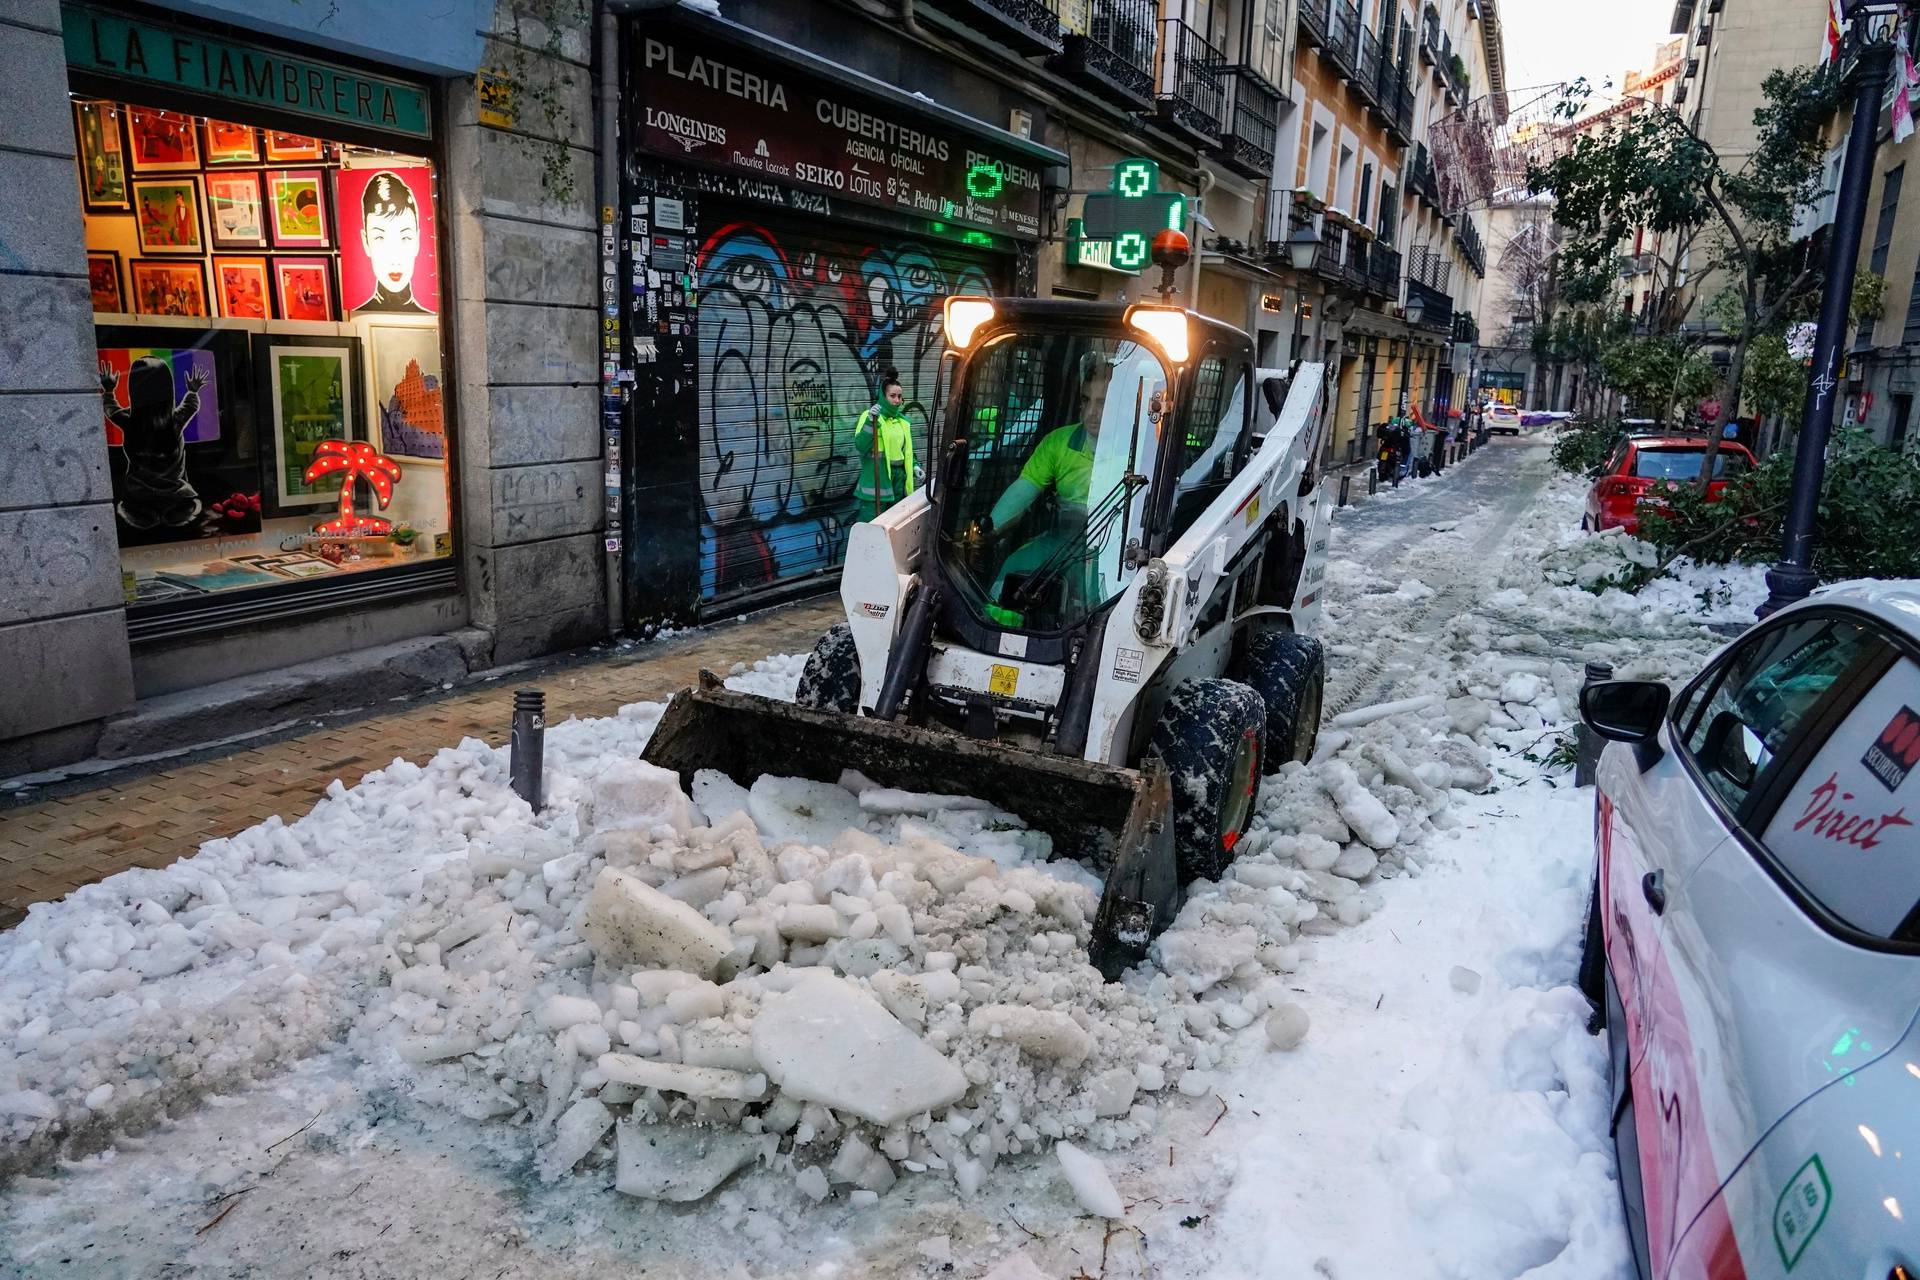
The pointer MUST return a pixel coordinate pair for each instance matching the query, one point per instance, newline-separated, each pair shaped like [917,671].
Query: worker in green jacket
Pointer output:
[883,441]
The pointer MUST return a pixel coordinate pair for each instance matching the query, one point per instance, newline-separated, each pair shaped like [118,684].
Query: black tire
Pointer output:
[1289,672]
[831,679]
[1211,737]
[1593,962]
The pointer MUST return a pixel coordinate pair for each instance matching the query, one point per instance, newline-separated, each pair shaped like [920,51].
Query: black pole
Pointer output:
[1793,577]
[527,753]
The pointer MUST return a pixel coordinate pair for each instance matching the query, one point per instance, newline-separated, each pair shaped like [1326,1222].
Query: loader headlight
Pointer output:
[1167,326]
[964,316]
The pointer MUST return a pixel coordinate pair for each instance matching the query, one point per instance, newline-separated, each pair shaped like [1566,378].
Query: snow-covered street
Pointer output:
[856,1034]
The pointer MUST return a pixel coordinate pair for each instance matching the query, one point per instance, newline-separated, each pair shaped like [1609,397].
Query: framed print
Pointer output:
[311,387]
[167,215]
[179,427]
[282,147]
[240,285]
[403,359]
[387,258]
[162,141]
[236,211]
[103,161]
[231,143]
[297,208]
[168,288]
[103,278]
[303,288]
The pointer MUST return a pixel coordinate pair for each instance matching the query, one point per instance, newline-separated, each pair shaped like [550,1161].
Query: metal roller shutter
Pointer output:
[797,325]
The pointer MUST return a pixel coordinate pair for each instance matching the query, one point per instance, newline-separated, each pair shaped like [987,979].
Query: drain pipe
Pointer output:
[613,396]
[1202,184]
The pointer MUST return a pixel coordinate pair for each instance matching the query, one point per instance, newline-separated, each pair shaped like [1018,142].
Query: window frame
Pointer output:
[1745,823]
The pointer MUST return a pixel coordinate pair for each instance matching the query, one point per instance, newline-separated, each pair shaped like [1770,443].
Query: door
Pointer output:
[1741,736]
[798,325]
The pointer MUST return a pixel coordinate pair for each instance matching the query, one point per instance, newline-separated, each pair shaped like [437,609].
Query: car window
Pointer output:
[1683,464]
[1762,693]
[1849,829]
[1619,457]
[1216,414]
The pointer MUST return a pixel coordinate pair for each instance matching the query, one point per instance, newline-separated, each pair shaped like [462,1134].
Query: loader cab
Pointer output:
[1080,440]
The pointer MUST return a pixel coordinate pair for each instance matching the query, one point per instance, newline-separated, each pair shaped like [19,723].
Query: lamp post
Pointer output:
[1792,578]
[1302,246]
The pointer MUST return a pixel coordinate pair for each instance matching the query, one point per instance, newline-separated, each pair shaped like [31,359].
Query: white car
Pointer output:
[1503,419]
[1753,946]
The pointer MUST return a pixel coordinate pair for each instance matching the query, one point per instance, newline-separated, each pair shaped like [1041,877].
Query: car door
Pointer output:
[1730,962]
[1799,958]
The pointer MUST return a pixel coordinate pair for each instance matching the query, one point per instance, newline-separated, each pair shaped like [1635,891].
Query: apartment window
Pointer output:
[1912,331]
[1389,201]
[1889,207]
[1319,153]
[1366,193]
[1343,180]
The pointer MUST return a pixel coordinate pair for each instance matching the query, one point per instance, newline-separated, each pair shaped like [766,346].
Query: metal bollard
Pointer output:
[1586,758]
[1346,487]
[529,745]
[1373,481]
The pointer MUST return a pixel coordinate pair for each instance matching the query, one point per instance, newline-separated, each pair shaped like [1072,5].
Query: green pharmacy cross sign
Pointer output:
[1132,211]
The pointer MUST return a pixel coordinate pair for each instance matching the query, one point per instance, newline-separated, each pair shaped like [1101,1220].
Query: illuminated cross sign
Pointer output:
[986,179]
[1133,211]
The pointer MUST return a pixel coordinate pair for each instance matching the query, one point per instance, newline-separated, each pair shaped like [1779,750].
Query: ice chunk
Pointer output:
[804,922]
[1015,1266]
[632,794]
[671,1077]
[1357,862]
[1381,711]
[717,796]
[1044,1033]
[1286,1026]
[28,1102]
[629,923]
[578,1130]
[673,1162]
[887,800]
[858,1163]
[825,1040]
[800,810]
[1091,1185]
[1464,980]
[1359,808]
[717,1045]
[864,957]
[561,1012]
[1112,1091]
[1206,956]
[813,1183]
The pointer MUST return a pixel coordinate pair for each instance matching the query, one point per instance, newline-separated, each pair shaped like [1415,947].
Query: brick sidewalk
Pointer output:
[152,818]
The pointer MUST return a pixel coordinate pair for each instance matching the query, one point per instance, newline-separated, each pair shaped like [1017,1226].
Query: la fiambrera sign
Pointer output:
[139,50]
[751,115]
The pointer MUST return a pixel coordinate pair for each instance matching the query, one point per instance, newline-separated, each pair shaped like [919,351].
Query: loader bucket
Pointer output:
[1119,821]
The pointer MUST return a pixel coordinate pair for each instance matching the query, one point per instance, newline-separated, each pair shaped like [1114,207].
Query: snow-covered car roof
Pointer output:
[1895,601]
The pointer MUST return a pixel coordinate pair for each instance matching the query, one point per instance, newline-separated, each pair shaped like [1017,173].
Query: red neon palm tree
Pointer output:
[354,460]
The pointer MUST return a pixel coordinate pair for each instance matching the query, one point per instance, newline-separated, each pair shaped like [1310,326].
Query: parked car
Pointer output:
[1643,468]
[1502,419]
[1753,946]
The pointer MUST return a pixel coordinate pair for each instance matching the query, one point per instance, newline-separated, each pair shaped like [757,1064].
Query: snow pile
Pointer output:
[1722,593]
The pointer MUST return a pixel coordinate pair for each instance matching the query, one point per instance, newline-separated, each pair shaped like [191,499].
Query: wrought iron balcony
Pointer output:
[1192,90]
[1114,57]
[1403,110]
[1366,68]
[1427,266]
[1383,271]
[1419,177]
[1026,26]
[1313,21]
[1470,247]
[1254,125]
[1436,308]
[1343,37]
[1465,329]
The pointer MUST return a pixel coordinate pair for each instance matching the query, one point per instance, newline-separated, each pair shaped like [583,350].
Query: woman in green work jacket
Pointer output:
[883,441]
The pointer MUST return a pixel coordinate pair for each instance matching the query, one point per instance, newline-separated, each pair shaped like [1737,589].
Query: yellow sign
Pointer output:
[1003,680]
[498,101]
[1253,511]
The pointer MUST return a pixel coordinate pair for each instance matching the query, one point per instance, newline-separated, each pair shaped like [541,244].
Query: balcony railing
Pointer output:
[1420,179]
[1471,248]
[1383,271]
[1254,124]
[1343,36]
[1313,21]
[1403,109]
[1465,328]
[1193,85]
[1366,67]
[1436,308]
[1025,26]
[1429,267]
[1114,56]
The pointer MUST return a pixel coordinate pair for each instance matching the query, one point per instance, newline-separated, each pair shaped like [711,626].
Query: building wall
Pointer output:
[63,633]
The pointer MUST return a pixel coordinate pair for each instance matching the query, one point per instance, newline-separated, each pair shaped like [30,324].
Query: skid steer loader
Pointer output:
[1097,614]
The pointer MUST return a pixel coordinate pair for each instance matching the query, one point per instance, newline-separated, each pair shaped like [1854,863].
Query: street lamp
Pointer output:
[1793,577]
[1302,247]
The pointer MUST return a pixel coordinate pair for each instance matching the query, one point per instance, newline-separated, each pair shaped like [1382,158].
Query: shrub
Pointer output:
[1580,447]
[1867,526]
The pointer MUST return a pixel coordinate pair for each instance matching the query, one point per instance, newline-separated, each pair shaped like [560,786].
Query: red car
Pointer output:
[1643,468]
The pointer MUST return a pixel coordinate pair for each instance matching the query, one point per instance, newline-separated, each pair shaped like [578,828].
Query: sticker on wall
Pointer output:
[670,214]
[387,258]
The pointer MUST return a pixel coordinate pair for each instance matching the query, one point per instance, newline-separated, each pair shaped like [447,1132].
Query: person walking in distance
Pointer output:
[883,441]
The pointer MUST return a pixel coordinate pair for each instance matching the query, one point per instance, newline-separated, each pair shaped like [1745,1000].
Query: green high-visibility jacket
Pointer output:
[884,442]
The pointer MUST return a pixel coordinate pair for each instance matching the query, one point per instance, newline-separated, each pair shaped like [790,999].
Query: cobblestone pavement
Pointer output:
[150,816]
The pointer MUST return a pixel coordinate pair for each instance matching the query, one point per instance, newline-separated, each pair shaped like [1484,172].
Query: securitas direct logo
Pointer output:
[1896,751]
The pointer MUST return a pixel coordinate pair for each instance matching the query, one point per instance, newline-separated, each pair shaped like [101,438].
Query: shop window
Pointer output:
[266,306]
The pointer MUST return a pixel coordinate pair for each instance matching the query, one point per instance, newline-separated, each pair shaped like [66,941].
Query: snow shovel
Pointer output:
[1115,820]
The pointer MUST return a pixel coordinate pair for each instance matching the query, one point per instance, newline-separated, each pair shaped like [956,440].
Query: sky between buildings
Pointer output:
[1552,41]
